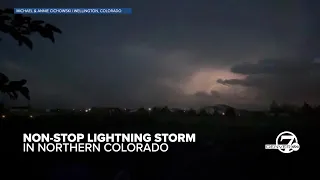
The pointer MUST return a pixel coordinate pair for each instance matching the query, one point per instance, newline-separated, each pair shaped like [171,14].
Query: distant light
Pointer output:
[3,116]
[86,110]
[89,109]
[73,109]
[223,114]
[31,116]
[149,109]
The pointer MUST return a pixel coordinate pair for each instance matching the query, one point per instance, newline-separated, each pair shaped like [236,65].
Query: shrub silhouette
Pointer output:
[20,27]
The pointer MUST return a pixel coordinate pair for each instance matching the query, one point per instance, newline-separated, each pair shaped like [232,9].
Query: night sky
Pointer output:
[180,53]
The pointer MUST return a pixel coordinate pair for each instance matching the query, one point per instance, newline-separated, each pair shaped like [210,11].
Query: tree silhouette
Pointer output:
[12,88]
[275,108]
[20,27]
[165,109]
[192,112]
[230,112]
[317,110]
[203,112]
[307,109]
[142,111]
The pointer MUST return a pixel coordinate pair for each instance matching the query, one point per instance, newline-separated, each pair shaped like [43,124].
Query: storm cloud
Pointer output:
[176,53]
[286,80]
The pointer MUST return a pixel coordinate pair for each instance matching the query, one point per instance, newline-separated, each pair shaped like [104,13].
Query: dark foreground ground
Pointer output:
[225,149]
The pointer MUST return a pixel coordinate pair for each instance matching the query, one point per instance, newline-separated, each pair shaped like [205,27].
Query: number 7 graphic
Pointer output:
[288,137]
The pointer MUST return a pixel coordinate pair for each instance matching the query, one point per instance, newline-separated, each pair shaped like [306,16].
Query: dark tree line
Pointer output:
[305,109]
[20,28]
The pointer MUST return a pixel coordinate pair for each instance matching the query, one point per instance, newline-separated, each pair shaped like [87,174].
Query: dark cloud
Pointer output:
[173,53]
[284,66]
[286,80]
[233,82]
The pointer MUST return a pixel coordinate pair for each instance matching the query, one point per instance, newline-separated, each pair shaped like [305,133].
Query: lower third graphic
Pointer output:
[291,146]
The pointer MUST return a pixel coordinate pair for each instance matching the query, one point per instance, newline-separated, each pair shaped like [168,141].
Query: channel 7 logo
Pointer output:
[286,142]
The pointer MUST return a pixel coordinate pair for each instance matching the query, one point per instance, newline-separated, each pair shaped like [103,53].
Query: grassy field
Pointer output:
[225,148]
